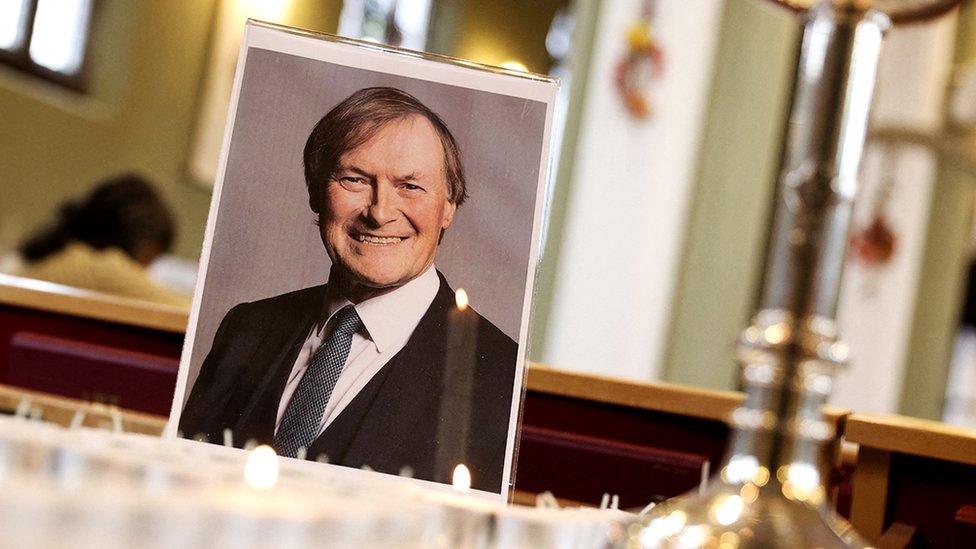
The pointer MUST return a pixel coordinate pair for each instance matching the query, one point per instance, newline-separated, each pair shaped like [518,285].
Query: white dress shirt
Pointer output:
[389,320]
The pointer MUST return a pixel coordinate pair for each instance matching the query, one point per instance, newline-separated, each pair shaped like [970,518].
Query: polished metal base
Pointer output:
[729,516]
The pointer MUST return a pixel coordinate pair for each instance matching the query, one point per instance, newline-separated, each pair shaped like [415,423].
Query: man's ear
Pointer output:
[447,220]
[448,215]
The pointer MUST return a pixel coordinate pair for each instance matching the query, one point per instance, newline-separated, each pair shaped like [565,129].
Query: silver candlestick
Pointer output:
[770,490]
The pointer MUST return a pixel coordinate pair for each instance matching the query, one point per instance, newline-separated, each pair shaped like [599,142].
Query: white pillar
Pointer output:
[629,197]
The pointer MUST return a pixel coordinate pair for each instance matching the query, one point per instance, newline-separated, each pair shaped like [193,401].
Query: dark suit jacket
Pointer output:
[395,419]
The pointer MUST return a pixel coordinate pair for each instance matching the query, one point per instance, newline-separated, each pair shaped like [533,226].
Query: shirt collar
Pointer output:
[391,317]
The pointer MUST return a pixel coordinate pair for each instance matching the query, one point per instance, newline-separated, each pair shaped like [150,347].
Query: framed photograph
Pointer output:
[368,263]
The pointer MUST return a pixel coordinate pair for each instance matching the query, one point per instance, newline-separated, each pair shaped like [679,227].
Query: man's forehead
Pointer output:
[412,123]
[407,140]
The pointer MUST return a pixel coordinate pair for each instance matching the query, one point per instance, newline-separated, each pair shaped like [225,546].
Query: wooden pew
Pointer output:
[89,346]
[915,481]
[582,435]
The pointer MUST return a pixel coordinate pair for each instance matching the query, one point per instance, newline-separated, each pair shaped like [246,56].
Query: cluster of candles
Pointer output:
[86,487]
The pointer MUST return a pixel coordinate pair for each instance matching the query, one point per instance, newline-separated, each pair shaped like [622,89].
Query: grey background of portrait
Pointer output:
[265,242]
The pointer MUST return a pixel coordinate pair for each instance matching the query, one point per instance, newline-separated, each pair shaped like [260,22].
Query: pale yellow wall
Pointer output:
[501,30]
[146,59]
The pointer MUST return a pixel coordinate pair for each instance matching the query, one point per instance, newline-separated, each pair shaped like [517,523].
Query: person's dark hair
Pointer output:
[355,120]
[123,211]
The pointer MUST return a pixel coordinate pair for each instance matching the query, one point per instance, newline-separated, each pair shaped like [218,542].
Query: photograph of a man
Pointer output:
[353,369]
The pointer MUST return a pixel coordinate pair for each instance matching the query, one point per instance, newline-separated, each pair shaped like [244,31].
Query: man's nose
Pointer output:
[382,207]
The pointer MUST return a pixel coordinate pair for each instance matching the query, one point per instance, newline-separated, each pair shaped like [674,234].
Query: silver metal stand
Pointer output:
[770,491]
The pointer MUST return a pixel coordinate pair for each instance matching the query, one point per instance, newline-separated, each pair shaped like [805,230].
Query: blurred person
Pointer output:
[105,241]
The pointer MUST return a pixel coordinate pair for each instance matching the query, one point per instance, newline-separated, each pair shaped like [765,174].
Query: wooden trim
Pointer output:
[656,396]
[914,436]
[647,395]
[56,298]
[870,496]
[61,411]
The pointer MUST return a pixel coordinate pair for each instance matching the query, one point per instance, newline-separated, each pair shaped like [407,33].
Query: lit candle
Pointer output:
[462,478]
[261,469]
[456,389]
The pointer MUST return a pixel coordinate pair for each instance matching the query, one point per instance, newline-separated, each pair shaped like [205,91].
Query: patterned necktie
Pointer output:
[300,423]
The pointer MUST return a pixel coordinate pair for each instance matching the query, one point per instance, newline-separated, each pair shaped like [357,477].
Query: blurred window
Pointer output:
[394,22]
[47,38]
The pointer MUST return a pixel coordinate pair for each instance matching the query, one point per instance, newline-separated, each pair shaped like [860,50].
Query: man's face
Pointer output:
[383,211]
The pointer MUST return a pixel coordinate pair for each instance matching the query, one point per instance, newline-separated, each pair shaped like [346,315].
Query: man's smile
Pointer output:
[378,240]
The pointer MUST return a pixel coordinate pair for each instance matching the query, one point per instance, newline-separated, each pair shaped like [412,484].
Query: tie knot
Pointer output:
[347,321]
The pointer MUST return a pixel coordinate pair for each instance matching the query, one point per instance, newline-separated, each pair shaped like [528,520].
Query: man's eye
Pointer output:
[411,187]
[352,182]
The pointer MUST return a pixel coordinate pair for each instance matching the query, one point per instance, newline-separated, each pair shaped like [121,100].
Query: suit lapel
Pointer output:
[335,441]
[275,358]
[398,403]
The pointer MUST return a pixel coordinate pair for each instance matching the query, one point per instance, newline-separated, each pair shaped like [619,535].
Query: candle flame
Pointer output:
[461,298]
[462,478]
[261,469]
